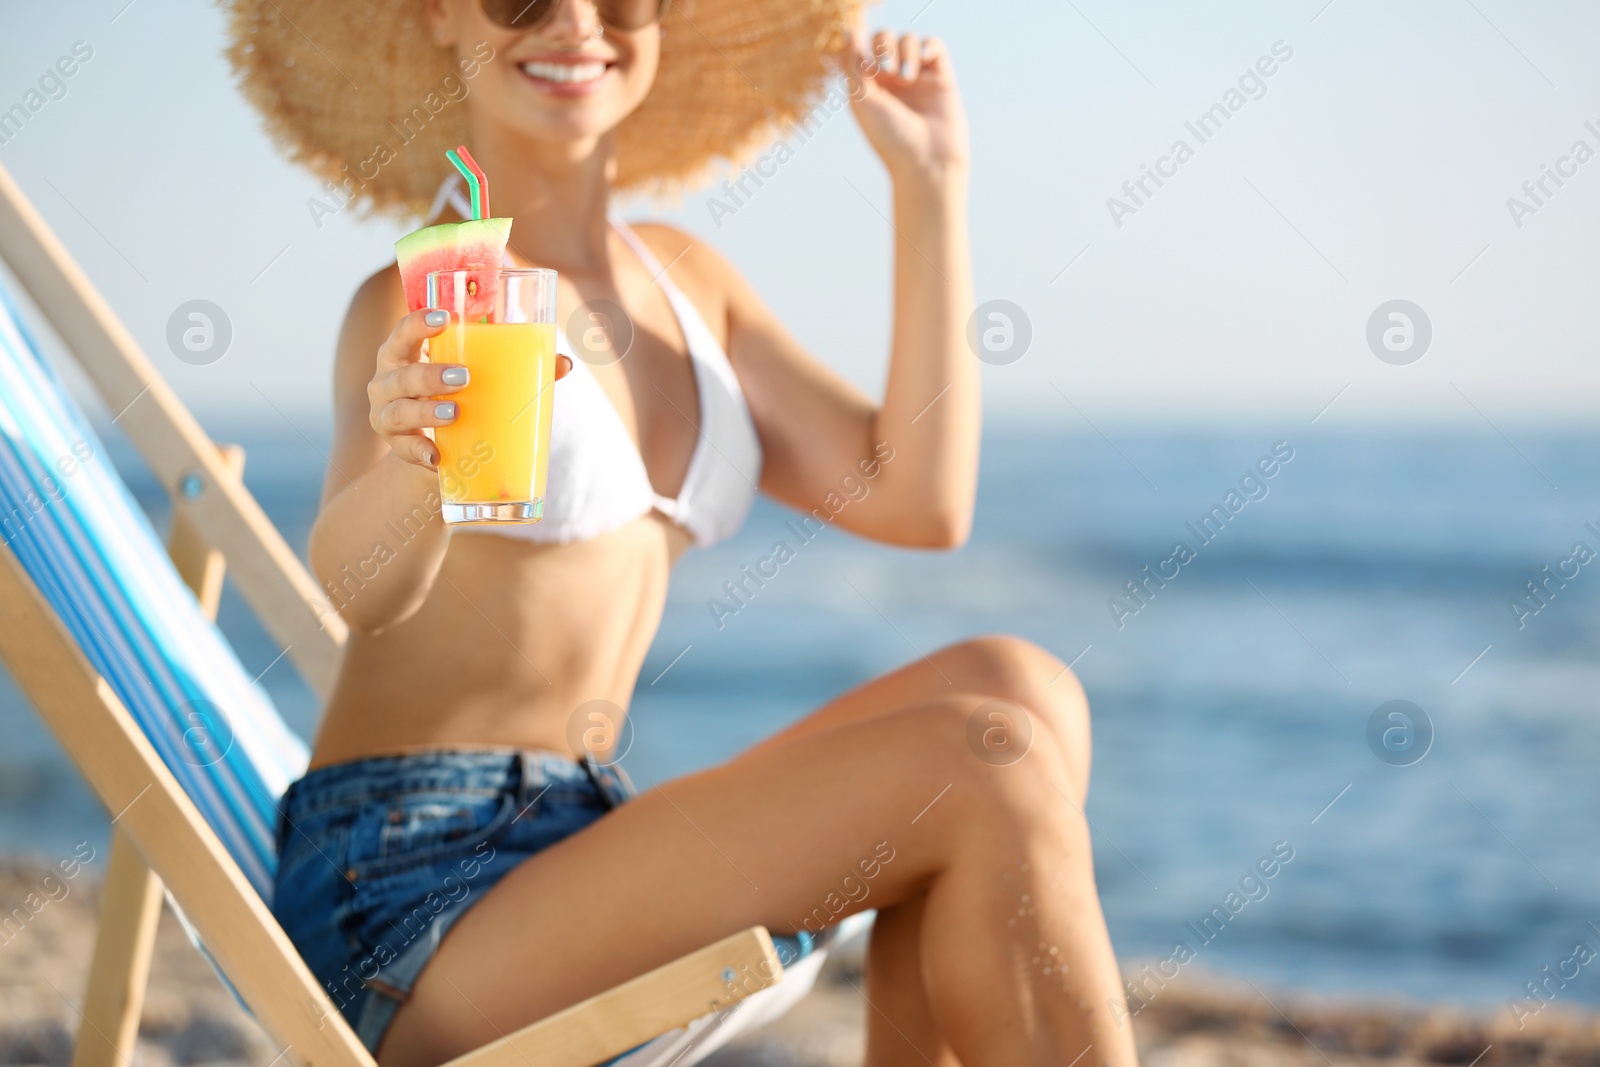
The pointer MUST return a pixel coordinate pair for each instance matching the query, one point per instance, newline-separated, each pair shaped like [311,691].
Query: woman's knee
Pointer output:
[998,776]
[1007,666]
[1011,668]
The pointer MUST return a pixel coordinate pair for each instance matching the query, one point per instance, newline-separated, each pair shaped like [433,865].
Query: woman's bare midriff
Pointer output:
[513,638]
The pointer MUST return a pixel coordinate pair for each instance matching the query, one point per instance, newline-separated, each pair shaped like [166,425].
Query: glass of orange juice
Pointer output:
[493,457]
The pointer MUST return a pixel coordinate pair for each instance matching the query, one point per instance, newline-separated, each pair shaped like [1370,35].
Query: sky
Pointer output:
[1375,164]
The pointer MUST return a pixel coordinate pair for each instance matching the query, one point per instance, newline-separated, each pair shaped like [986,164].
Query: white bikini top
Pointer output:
[597,480]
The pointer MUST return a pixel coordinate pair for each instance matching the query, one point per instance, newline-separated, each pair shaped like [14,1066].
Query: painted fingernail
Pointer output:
[905,70]
[453,376]
[436,318]
[446,410]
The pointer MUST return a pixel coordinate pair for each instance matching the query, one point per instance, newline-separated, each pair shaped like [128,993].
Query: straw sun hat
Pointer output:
[359,93]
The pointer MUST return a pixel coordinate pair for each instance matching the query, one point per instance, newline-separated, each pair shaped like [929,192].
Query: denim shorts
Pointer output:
[378,858]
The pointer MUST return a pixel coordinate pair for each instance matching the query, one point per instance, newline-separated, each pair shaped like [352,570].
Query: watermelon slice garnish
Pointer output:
[476,245]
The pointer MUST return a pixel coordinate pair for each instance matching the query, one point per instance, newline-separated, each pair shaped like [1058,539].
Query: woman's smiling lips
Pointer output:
[565,74]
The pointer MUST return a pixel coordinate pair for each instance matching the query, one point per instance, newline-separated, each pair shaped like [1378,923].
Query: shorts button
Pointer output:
[352,874]
[395,816]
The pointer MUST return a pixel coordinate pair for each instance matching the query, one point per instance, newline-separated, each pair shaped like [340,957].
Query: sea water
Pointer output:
[1235,632]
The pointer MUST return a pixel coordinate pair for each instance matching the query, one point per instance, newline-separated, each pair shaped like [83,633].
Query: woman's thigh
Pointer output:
[768,838]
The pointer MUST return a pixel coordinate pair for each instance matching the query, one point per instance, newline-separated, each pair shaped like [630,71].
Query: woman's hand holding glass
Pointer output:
[404,390]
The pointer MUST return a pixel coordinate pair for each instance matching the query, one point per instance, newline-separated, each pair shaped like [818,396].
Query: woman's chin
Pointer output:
[563,133]
[578,118]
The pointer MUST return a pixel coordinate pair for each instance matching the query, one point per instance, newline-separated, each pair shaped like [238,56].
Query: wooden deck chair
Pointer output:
[113,643]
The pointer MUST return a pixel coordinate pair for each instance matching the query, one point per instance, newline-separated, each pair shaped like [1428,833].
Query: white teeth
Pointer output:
[564,72]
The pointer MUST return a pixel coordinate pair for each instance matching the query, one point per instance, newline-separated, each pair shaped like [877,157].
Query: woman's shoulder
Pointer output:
[377,304]
[703,274]
[381,292]
[379,299]
[679,248]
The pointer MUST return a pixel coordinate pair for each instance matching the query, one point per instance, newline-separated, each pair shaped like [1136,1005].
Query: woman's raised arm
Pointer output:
[907,467]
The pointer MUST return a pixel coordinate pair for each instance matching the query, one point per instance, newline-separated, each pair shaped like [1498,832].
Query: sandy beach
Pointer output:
[1200,1021]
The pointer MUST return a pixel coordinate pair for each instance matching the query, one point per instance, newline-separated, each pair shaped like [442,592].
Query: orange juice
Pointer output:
[498,448]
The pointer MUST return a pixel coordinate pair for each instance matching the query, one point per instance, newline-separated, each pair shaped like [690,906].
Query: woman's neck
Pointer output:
[557,196]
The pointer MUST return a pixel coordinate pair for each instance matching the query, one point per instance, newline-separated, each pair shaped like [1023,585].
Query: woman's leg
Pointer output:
[1015,957]
[901,1026]
[998,667]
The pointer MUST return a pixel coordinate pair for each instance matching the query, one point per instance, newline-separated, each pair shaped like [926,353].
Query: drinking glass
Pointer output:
[493,457]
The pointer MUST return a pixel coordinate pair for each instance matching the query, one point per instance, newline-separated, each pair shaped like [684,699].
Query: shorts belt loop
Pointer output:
[624,783]
[531,779]
[613,788]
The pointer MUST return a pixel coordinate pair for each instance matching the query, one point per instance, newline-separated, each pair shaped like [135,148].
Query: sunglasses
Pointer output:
[531,14]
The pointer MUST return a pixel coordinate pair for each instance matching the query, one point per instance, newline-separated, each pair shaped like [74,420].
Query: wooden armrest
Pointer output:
[619,1019]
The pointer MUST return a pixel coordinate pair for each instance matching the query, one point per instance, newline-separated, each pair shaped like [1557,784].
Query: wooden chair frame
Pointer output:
[159,838]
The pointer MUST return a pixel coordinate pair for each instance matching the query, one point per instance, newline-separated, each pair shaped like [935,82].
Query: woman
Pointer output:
[444,781]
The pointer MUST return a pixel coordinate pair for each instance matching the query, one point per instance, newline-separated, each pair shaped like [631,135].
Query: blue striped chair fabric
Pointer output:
[87,545]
